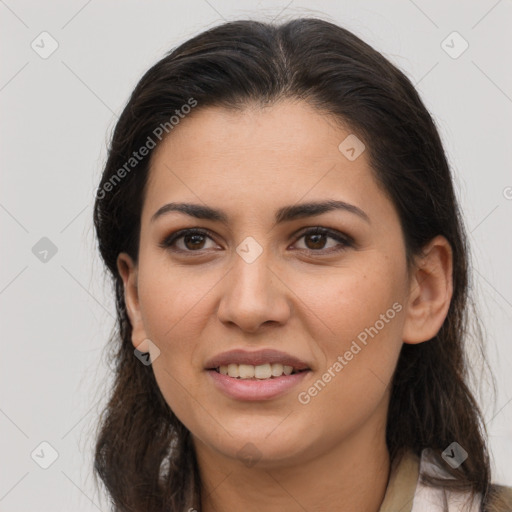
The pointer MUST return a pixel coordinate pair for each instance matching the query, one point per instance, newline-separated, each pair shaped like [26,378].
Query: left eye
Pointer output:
[315,239]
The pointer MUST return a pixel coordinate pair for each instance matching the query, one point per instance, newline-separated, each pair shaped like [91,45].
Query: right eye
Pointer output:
[193,240]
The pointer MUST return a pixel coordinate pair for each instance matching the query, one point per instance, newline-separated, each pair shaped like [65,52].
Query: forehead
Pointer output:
[258,157]
[288,128]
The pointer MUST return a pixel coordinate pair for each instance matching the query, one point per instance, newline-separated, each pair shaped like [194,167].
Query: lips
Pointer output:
[232,374]
[256,358]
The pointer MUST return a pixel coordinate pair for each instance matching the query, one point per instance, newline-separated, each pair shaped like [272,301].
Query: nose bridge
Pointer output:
[251,266]
[250,280]
[252,295]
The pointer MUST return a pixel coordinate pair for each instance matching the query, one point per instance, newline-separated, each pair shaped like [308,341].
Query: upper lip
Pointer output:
[255,358]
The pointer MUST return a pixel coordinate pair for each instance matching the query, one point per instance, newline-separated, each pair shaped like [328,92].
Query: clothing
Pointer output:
[405,493]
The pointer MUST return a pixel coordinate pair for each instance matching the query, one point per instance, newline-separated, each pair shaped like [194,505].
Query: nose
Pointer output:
[254,295]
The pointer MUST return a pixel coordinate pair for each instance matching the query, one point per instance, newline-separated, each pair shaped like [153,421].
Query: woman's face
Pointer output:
[259,281]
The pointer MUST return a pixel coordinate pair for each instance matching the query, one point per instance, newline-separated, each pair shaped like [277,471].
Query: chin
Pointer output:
[256,448]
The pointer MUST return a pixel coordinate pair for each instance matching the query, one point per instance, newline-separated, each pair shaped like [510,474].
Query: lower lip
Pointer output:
[257,389]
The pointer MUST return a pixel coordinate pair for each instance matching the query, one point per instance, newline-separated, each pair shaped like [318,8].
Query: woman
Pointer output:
[290,269]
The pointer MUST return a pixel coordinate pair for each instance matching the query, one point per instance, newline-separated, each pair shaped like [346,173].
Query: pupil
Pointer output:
[197,240]
[317,244]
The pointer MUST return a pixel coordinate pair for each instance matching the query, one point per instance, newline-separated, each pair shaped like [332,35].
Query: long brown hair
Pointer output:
[144,455]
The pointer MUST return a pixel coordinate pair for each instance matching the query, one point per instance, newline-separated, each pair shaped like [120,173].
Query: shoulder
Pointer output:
[428,498]
[500,498]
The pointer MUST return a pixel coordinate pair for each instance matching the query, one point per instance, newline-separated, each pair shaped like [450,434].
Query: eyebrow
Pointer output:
[284,214]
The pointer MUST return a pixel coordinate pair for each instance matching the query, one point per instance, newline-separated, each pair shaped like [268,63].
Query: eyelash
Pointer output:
[344,240]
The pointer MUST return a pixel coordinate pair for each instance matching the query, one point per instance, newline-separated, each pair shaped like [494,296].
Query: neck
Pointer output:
[350,476]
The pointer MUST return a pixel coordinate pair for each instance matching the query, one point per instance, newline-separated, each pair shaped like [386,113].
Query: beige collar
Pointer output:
[402,484]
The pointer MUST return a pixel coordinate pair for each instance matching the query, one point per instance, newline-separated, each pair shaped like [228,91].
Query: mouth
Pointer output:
[261,375]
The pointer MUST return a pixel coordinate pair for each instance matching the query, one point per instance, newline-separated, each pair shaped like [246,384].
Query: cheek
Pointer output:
[359,366]
[172,302]
[362,318]
[352,301]
[175,308]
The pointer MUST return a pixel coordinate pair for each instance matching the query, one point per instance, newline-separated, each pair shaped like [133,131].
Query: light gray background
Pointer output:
[57,114]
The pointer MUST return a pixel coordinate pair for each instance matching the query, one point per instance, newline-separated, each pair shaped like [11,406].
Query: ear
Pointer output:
[128,271]
[430,292]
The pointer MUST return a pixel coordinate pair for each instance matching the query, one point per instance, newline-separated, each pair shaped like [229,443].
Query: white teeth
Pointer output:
[263,371]
[233,370]
[249,371]
[246,371]
[277,369]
